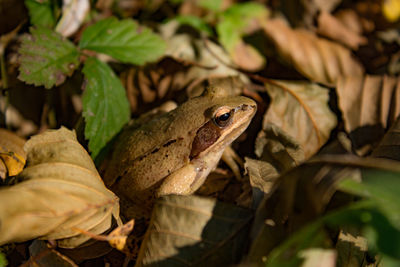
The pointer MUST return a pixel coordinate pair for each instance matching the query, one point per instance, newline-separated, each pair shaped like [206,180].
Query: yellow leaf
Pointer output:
[117,238]
[12,154]
[391,10]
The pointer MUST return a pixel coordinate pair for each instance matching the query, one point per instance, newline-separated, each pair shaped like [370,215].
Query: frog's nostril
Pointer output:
[246,107]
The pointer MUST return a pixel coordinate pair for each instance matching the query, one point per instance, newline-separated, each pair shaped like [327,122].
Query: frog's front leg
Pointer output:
[184,181]
[189,178]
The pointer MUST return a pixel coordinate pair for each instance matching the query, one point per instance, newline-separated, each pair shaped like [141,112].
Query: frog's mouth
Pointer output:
[212,137]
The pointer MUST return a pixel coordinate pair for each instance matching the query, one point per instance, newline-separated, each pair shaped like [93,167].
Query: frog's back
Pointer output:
[153,151]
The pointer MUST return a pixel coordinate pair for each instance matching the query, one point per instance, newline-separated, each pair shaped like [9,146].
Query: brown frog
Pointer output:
[173,153]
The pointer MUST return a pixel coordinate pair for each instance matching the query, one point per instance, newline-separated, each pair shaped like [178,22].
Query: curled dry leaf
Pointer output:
[12,154]
[333,28]
[318,59]
[191,230]
[262,176]
[278,148]
[301,110]
[368,100]
[278,152]
[61,189]
[73,14]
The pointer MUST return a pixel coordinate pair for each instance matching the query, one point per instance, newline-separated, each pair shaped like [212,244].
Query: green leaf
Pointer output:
[235,20]
[194,22]
[3,260]
[41,13]
[105,105]
[385,238]
[123,40]
[382,187]
[46,58]
[214,5]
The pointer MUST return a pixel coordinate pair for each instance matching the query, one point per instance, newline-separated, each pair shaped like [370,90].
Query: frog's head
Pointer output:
[226,117]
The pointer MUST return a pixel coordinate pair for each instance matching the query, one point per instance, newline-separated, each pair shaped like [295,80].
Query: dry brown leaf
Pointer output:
[302,13]
[247,57]
[351,247]
[389,147]
[262,176]
[318,59]
[12,154]
[368,100]
[329,26]
[301,110]
[60,190]
[210,58]
[41,254]
[273,145]
[192,230]
[278,152]
[73,15]
[354,22]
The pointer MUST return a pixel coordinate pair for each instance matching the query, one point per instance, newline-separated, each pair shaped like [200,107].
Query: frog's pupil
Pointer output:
[224,116]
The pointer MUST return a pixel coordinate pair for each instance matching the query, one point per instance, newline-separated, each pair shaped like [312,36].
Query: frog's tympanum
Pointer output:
[174,153]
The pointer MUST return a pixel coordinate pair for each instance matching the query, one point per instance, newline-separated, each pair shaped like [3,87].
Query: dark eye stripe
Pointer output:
[207,135]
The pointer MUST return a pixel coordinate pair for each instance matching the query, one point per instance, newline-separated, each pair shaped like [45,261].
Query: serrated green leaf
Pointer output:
[123,40]
[41,13]
[105,105]
[235,20]
[46,58]
[194,22]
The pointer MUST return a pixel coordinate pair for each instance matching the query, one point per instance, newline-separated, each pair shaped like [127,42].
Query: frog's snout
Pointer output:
[250,107]
[246,107]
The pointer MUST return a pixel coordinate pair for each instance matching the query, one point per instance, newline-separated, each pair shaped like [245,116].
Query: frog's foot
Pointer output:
[233,161]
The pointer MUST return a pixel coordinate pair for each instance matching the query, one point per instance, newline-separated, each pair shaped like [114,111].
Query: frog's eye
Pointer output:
[223,117]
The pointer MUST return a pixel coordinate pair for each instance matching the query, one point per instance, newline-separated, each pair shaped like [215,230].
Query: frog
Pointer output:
[174,152]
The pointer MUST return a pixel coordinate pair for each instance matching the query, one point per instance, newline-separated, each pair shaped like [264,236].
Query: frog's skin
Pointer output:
[174,153]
